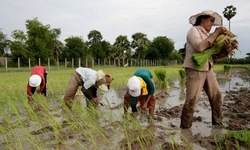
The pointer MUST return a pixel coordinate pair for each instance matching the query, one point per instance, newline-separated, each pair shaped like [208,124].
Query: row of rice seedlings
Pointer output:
[241,138]
[51,119]
[15,127]
[85,121]
[81,120]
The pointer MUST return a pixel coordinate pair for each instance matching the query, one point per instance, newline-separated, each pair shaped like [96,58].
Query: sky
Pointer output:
[123,17]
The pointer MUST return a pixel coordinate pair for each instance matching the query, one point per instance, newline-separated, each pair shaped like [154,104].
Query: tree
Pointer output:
[160,48]
[248,55]
[4,43]
[140,43]
[18,47]
[96,45]
[41,39]
[121,47]
[75,47]
[182,52]
[94,36]
[229,12]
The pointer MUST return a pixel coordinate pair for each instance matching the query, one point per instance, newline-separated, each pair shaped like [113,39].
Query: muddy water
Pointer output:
[173,99]
[167,115]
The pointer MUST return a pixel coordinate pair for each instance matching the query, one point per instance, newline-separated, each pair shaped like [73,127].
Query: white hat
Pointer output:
[215,15]
[101,75]
[134,86]
[35,80]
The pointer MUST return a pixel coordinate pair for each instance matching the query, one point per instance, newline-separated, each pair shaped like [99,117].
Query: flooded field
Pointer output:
[107,128]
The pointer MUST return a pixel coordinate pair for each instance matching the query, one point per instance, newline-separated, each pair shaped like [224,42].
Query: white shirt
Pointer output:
[88,76]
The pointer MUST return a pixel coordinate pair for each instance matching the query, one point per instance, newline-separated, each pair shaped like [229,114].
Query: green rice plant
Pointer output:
[199,59]
[218,142]
[161,78]
[15,111]
[226,69]
[182,75]
[241,135]
[4,135]
[237,145]
[187,143]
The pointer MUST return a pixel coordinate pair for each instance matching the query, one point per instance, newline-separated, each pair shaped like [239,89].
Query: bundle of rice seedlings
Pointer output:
[161,78]
[199,59]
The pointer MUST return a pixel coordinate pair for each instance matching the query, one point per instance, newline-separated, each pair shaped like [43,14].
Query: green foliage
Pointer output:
[161,78]
[226,69]
[4,42]
[235,138]
[241,135]
[75,48]
[182,75]
[160,48]
[121,48]
[229,12]
[140,44]
[199,59]
[97,47]
[41,40]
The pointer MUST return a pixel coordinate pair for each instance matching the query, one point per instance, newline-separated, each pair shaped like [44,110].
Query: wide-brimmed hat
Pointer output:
[134,86]
[35,80]
[101,78]
[215,15]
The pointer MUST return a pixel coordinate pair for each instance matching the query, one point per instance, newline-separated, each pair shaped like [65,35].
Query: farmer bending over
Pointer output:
[90,80]
[38,77]
[140,89]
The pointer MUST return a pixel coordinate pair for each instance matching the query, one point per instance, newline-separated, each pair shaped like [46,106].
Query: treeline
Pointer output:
[42,41]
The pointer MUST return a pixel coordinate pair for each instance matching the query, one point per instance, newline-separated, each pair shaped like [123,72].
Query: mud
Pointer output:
[115,131]
[235,88]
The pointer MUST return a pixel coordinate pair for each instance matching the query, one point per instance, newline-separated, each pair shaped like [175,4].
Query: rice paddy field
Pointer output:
[48,125]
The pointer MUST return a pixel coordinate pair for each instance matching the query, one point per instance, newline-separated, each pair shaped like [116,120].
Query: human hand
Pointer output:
[144,106]
[220,30]
[30,100]
[95,101]
[227,45]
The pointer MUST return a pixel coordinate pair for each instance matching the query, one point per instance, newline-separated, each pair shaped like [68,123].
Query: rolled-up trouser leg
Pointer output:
[194,84]
[74,83]
[212,90]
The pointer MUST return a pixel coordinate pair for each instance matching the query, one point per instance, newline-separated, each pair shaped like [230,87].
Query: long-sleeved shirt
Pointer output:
[38,70]
[88,76]
[147,76]
[196,42]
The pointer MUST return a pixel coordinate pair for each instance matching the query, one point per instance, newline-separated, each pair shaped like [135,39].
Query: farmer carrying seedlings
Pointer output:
[90,80]
[38,77]
[198,40]
[140,89]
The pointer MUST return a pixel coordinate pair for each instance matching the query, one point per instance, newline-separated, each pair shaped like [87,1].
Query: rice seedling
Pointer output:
[226,69]
[36,126]
[199,59]
[182,75]
[161,78]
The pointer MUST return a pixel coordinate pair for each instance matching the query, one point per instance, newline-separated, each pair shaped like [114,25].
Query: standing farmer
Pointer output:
[199,39]
[38,77]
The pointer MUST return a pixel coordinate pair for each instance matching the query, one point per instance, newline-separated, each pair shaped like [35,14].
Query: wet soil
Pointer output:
[114,131]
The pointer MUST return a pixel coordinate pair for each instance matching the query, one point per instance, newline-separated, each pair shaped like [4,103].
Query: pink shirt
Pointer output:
[196,42]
